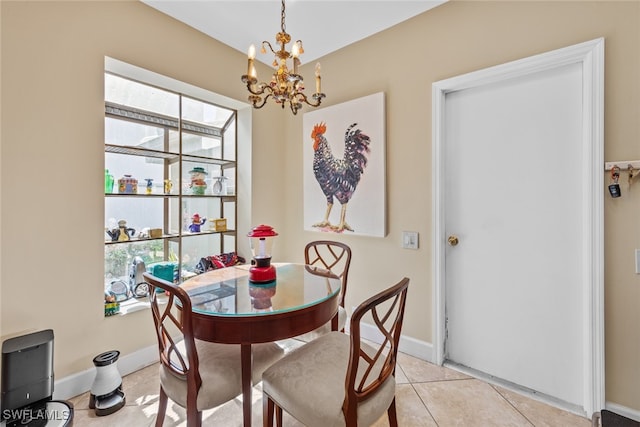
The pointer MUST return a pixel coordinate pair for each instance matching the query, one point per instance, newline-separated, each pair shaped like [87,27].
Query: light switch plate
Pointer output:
[410,239]
[637,261]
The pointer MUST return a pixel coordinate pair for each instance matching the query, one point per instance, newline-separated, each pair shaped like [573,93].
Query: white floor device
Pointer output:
[106,391]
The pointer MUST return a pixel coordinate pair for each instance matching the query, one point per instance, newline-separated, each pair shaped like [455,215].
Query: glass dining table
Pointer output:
[228,308]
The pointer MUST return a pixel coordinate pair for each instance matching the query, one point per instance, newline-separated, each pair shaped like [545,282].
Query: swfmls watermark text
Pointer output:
[27,415]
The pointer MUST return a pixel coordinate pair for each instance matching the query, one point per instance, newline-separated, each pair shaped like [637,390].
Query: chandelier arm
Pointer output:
[270,47]
[250,86]
[255,100]
[261,88]
[302,97]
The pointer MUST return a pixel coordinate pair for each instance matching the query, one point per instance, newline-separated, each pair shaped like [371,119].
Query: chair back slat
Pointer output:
[331,255]
[166,324]
[368,372]
[172,320]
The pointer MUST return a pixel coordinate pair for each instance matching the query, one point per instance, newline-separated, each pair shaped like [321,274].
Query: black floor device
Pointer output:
[611,419]
[27,383]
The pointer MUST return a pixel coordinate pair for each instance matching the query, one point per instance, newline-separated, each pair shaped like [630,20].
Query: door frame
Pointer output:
[590,55]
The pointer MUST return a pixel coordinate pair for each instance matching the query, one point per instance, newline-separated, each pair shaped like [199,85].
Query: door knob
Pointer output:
[453,240]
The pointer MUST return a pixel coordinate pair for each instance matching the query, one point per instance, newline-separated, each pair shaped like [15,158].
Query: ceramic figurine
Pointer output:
[198,184]
[128,185]
[168,185]
[196,222]
[149,185]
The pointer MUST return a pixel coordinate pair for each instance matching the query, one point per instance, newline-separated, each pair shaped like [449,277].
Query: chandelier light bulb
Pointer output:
[318,69]
[251,56]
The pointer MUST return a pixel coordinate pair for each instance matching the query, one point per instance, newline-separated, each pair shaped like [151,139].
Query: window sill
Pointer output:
[126,307]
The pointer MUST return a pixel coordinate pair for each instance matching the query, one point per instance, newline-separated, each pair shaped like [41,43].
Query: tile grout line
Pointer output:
[511,404]
[411,383]
[424,403]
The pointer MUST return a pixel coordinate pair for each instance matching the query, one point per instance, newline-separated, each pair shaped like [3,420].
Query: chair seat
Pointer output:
[326,328]
[323,363]
[220,372]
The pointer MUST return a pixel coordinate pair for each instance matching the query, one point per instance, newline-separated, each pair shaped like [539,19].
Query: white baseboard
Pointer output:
[623,410]
[81,382]
[411,346]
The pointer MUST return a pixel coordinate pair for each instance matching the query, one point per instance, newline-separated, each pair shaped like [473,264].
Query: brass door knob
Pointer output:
[453,240]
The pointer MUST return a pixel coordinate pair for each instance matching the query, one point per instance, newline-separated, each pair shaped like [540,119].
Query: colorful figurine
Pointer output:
[168,185]
[128,185]
[149,185]
[198,184]
[196,222]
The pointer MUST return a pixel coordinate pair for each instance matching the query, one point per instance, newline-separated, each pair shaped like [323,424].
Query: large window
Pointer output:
[170,182]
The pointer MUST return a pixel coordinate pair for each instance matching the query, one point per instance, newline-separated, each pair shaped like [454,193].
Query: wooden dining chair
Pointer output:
[334,256]
[337,380]
[195,374]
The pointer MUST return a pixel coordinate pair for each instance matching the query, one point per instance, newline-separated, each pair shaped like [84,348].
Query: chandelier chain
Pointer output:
[282,24]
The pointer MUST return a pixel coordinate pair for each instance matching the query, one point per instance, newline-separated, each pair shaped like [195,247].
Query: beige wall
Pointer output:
[457,38]
[52,160]
[51,157]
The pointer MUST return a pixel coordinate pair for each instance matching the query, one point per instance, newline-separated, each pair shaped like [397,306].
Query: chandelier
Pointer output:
[286,85]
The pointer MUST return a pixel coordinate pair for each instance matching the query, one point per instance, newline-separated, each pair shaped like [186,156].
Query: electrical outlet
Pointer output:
[637,261]
[410,239]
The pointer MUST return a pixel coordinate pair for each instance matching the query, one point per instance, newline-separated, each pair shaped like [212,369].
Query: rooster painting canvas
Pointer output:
[339,178]
[344,165]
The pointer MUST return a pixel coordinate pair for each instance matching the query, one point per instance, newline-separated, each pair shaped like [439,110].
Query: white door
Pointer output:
[516,237]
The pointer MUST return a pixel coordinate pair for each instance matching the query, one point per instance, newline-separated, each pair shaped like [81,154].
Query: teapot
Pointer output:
[122,233]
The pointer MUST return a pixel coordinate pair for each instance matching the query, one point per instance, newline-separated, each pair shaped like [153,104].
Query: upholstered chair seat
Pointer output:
[219,366]
[323,363]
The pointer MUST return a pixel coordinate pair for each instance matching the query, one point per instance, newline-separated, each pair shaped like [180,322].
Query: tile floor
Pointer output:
[426,396]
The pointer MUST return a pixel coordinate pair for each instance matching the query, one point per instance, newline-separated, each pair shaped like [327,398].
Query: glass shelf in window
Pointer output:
[134,151]
[142,239]
[144,135]
[143,215]
[151,173]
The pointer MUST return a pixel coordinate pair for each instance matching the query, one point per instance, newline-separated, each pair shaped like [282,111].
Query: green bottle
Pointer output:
[108,181]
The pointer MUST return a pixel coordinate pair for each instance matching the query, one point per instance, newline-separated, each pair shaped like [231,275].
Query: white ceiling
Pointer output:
[324,26]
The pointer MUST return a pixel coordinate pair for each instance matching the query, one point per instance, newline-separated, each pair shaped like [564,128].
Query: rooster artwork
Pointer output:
[339,178]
